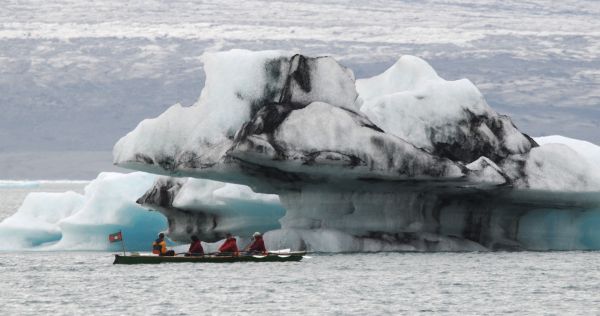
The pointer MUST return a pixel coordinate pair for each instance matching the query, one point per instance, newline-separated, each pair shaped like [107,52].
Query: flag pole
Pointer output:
[122,242]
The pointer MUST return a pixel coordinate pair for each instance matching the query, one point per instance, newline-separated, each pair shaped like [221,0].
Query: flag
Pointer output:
[115,237]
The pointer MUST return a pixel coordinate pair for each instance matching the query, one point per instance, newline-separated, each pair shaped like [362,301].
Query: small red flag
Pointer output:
[115,237]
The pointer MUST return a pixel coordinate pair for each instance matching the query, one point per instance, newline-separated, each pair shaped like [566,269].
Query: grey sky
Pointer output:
[74,76]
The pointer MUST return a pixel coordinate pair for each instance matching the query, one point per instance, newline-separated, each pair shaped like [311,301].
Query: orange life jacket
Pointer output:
[159,247]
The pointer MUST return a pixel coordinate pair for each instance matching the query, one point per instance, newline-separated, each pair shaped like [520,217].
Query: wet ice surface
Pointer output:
[385,283]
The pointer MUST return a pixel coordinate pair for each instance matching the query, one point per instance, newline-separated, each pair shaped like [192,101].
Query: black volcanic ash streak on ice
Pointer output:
[275,70]
[267,116]
[299,71]
[162,193]
[469,143]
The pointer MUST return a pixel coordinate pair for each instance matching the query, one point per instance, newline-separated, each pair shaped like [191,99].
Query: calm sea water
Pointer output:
[79,283]
[357,284]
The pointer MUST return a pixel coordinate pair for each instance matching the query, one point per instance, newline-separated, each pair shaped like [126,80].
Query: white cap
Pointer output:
[256,234]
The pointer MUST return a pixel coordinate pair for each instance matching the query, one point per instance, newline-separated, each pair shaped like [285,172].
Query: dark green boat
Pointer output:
[144,259]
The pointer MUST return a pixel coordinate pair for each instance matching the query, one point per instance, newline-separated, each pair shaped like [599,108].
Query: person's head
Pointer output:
[228,235]
[194,238]
[257,234]
[161,236]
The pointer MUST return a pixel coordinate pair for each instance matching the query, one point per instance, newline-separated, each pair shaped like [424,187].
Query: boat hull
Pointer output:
[120,259]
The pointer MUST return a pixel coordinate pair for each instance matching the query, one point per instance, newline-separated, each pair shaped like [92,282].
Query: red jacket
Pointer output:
[258,245]
[230,245]
[196,248]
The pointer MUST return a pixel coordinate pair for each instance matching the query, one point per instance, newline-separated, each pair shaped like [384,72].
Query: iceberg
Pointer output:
[404,160]
[73,221]
[296,147]
[36,221]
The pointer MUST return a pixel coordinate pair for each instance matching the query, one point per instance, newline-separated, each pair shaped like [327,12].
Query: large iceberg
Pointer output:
[402,161]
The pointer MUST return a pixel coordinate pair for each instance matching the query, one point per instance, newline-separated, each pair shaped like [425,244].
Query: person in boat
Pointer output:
[159,246]
[258,244]
[229,247]
[195,247]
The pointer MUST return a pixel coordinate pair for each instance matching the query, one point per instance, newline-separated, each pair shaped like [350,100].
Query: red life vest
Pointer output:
[196,248]
[230,245]
[258,245]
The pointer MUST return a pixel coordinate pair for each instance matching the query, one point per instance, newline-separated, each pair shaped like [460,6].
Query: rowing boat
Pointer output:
[145,259]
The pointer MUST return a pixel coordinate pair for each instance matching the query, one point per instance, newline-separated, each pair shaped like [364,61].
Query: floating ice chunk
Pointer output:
[18,184]
[71,221]
[36,222]
[109,207]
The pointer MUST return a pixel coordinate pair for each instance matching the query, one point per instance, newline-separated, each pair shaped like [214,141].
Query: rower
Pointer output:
[159,246]
[195,247]
[229,247]
[258,244]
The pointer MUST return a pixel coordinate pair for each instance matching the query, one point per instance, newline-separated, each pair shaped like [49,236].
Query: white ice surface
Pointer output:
[233,80]
[206,194]
[411,101]
[554,167]
[587,150]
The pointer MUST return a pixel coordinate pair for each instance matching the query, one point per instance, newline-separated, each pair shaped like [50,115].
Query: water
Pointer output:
[356,284]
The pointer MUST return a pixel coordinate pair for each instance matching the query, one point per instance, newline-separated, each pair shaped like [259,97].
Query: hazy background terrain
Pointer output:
[76,76]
